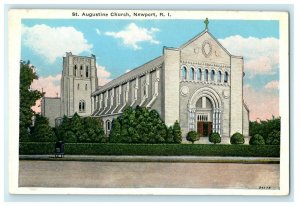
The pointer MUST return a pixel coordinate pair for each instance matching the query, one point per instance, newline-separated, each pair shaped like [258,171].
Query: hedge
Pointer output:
[47,148]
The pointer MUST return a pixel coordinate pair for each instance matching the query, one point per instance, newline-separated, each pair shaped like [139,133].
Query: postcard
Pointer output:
[148,102]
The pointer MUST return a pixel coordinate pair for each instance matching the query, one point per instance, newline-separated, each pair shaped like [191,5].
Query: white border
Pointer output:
[14,34]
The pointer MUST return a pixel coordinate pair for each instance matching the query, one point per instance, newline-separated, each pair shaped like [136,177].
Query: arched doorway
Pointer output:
[204,116]
[205,112]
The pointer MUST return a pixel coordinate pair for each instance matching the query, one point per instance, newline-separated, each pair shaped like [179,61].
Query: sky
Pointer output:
[122,45]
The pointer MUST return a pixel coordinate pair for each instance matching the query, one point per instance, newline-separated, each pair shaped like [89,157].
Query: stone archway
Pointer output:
[199,112]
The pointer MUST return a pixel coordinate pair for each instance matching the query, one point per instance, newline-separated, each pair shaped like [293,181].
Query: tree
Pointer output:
[170,135]
[41,131]
[214,138]
[28,98]
[264,127]
[273,138]
[257,140]
[115,133]
[192,136]
[177,132]
[237,138]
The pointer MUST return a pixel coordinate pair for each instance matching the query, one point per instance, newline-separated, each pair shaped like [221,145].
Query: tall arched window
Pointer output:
[87,71]
[206,75]
[226,77]
[212,75]
[81,106]
[199,74]
[81,71]
[192,74]
[219,76]
[183,73]
[108,126]
[75,70]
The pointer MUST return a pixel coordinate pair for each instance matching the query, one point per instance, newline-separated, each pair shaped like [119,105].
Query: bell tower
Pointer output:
[78,81]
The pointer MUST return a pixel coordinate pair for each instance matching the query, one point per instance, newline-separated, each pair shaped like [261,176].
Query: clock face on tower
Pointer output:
[206,48]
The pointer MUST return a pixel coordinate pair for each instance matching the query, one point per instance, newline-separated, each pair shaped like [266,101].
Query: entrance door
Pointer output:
[204,128]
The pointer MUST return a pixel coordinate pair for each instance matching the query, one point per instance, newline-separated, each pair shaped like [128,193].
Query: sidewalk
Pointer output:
[186,159]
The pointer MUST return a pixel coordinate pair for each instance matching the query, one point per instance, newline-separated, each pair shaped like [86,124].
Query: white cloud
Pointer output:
[103,75]
[53,42]
[98,32]
[132,35]
[272,85]
[261,55]
[127,70]
[50,85]
[262,103]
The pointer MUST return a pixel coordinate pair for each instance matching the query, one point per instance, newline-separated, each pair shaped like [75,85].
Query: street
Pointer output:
[147,174]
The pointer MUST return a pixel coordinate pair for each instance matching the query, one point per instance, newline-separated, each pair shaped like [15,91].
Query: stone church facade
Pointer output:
[200,84]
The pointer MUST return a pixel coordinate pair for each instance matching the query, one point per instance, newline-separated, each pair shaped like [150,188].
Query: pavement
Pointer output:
[125,158]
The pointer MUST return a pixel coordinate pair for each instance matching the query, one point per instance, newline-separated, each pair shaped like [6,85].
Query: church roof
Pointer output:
[139,71]
[199,36]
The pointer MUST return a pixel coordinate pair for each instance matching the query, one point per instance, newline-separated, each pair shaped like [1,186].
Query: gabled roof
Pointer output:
[199,36]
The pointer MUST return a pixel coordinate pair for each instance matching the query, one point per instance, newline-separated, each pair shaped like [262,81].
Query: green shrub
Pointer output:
[273,138]
[264,127]
[214,137]
[177,132]
[192,136]
[42,132]
[78,129]
[257,140]
[34,148]
[237,138]
[141,125]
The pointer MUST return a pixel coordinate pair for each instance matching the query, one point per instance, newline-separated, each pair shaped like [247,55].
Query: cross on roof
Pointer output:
[206,22]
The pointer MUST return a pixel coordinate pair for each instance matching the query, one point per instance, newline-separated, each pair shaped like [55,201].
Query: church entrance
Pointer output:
[204,129]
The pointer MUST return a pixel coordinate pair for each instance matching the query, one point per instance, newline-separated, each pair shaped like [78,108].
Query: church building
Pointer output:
[200,84]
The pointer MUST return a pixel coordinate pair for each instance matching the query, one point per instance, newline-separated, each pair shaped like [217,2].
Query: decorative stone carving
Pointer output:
[184,91]
[206,48]
[225,94]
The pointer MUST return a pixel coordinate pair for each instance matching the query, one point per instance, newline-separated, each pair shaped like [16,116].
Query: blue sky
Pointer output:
[117,52]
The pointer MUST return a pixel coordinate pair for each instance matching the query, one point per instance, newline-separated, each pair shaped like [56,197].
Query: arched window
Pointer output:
[85,86]
[87,71]
[183,73]
[212,75]
[226,77]
[199,74]
[81,106]
[206,75]
[192,74]
[219,76]
[75,70]
[81,71]
[78,86]
[108,126]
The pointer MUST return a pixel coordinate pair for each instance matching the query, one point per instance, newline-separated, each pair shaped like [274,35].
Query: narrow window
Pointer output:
[183,73]
[83,106]
[192,73]
[107,125]
[219,76]
[212,75]
[85,86]
[80,106]
[78,86]
[75,70]
[87,71]
[199,74]
[226,77]
[206,75]
[81,70]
